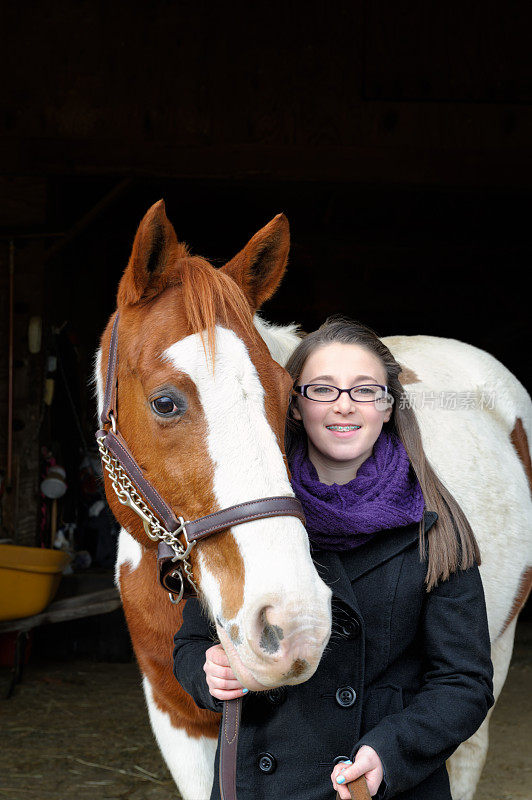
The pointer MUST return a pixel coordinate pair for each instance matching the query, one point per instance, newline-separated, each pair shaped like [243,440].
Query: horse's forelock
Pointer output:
[210,297]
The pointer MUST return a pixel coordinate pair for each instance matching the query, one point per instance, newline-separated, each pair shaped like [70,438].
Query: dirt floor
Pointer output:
[80,731]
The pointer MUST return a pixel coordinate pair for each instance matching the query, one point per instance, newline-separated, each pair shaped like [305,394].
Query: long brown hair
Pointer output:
[451,541]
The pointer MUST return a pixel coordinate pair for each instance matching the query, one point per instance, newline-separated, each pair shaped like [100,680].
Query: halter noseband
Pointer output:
[136,492]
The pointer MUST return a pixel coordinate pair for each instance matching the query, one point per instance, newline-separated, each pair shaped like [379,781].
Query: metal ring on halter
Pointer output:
[177,574]
[113,421]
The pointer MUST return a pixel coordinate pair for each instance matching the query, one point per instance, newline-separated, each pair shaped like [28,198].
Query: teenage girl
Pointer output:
[407,675]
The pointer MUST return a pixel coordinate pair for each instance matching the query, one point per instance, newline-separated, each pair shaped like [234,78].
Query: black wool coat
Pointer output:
[406,672]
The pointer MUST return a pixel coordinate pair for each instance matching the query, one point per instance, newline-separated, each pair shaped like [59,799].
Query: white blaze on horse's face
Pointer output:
[279,633]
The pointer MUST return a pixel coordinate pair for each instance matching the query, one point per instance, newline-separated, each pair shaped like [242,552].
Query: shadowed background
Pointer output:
[396,138]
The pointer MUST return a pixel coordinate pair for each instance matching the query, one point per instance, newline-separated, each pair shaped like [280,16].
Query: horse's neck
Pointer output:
[281,340]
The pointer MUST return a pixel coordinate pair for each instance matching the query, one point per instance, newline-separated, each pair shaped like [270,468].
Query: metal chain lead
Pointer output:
[128,495]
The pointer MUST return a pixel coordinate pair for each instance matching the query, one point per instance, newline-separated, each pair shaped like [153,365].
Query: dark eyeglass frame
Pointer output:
[302,390]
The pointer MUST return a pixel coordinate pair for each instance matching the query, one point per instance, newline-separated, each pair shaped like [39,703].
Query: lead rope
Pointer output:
[358,789]
[228,748]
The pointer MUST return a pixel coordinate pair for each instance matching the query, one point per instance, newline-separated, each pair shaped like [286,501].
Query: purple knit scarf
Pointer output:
[384,494]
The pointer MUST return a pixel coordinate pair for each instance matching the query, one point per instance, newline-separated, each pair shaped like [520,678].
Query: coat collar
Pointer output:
[338,570]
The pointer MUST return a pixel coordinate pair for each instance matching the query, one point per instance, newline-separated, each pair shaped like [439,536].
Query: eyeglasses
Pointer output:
[368,393]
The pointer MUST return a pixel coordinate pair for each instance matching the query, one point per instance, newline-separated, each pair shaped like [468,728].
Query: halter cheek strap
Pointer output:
[109,398]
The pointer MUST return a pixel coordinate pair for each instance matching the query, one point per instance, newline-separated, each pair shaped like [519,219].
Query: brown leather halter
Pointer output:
[162,525]
[160,522]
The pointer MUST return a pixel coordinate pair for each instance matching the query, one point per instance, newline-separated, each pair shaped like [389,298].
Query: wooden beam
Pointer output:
[83,605]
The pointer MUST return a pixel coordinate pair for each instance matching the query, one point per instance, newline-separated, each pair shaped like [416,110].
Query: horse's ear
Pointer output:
[153,250]
[258,268]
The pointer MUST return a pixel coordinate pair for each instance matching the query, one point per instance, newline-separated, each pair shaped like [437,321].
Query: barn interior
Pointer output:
[395,138]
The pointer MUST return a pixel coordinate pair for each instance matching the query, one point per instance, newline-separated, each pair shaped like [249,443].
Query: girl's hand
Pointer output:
[220,677]
[367,763]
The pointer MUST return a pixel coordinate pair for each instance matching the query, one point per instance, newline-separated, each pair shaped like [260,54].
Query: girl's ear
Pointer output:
[294,410]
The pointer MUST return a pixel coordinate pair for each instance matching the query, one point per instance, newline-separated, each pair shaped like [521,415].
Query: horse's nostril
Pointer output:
[299,666]
[270,634]
[271,637]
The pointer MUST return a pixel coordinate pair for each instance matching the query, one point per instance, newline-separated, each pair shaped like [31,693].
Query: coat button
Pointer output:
[350,628]
[276,696]
[340,759]
[267,763]
[346,696]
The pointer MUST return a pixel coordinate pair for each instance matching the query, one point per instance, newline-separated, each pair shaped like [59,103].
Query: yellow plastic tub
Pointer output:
[29,578]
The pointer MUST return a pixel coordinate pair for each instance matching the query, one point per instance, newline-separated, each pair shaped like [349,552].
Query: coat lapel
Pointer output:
[383,546]
[338,570]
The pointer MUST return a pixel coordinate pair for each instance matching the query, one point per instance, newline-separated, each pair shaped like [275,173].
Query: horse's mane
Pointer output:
[281,340]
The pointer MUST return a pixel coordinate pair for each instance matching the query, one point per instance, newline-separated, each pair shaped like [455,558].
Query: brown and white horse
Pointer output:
[201,404]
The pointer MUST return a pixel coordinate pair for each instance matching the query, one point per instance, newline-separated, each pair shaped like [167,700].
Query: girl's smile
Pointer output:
[343,429]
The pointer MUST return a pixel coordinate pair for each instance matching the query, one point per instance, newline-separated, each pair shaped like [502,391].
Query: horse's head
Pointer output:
[201,404]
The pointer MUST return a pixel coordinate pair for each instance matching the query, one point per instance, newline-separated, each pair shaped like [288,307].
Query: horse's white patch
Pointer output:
[232,398]
[281,340]
[129,552]
[248,465]
[189,759]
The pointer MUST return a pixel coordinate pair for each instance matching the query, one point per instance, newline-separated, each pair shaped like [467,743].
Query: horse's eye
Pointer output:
[165,406]
[168,402]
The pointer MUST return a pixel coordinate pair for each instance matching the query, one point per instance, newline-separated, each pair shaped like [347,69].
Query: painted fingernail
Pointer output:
[340,779]
[245,691]
[346,762]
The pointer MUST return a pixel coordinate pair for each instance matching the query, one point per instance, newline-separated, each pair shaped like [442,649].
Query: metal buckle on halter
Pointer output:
[126,500]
